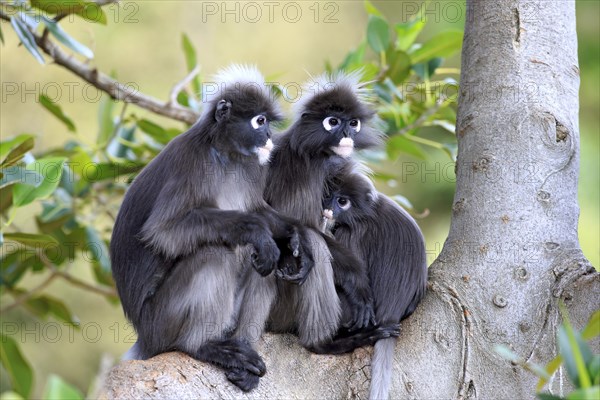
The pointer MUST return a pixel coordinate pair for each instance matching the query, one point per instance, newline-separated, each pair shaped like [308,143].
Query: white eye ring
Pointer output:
[347,203]
[357,127]
[330,122]
[258,121]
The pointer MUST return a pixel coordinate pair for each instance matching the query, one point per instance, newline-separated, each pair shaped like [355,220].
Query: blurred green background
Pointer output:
[141,45]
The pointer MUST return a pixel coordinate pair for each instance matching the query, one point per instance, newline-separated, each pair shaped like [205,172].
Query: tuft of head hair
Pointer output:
[348,82]
[231,79]
[361,170]
[240,73]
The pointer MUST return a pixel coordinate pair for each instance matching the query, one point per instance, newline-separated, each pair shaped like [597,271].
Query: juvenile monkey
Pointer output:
[384,235]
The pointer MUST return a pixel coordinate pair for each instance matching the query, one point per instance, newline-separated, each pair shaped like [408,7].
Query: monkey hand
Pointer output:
[363,314]
[296,260]
[265,254]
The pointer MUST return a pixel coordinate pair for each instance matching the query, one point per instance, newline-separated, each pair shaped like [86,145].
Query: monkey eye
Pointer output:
[355,124]
[330,123]
[344,203]
[258,121]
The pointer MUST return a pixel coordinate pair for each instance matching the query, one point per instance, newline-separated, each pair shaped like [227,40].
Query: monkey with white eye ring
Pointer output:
[392,245]
[194,243]
[332,120]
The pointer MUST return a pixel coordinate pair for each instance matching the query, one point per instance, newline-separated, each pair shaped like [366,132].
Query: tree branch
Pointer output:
[54,273]
[29,294]
[113,88]
[182,84]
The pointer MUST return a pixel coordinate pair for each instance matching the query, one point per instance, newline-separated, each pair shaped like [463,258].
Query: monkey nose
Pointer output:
[328,214]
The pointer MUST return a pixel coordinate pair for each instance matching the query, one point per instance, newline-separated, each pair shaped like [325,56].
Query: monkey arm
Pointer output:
[182,234]
[351,279]
[296,260]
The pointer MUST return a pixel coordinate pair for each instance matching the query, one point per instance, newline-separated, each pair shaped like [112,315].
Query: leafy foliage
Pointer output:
[575,355]
[74,191]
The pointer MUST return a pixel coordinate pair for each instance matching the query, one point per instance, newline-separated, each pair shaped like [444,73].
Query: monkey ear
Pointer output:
[223,110]
[372,196]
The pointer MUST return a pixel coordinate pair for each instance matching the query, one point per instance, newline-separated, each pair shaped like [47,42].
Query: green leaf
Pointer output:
[66,39]
[87,10]
[378,34]
[18,369]
[59,310]
[51,169]
[507,353]
[447,125]
[23,144]
[55,213]
[189,52]
[191,60]
[56,388]
[14,265]
[56,111]
[426,70]
[451,150]
[407,32]
[44,305]
[6,198]
[594,368]
[548,396]
[103,171]
[575,353]
[155,131]
[591,393]
[34,240]
[443,44]
[401,144]
[116,148]
[7,145]
[183,98]
[399,66]
[105,120]
[26,37]
[592,329]
[10,395]
[371,9]
[354,59]
[93,13]
[99,250]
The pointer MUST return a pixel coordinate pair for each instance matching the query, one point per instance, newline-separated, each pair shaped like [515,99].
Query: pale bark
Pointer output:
[512,251]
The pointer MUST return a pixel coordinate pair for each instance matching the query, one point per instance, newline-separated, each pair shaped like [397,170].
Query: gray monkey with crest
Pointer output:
[332,120]
[194,243]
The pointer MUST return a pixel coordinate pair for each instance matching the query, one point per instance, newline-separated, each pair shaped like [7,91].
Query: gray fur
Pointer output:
[313,309]
[194,238]
[389,240]
[381,369]
[303,158]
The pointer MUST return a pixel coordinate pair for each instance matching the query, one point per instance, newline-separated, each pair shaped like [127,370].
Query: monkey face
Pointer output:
[245,117]
[336,206]
[334,122]
[349,199]
[343,131]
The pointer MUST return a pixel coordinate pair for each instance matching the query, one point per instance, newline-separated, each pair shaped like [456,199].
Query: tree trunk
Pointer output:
[512,251]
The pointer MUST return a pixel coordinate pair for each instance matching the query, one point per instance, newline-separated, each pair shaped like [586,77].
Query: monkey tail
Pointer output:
[381,369]
[134,353]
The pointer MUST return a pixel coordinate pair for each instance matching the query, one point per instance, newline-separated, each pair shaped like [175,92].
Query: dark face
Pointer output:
[334,123]
[244,116]
[349,200]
